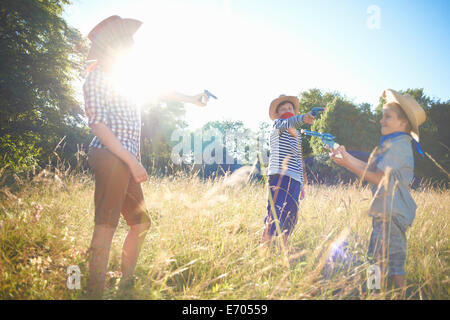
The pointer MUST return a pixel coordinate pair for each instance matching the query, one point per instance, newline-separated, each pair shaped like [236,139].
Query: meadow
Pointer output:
[204,241]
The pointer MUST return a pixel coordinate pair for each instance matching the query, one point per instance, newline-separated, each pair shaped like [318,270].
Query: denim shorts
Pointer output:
[387,246]
[285,192]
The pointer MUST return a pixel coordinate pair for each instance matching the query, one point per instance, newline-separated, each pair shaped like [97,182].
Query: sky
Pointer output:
[248,52]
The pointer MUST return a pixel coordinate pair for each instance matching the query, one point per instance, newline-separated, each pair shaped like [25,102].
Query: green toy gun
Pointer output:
[326,138]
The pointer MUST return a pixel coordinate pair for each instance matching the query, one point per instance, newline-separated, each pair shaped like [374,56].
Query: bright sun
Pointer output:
[137,77]
[164,58]
[189,49]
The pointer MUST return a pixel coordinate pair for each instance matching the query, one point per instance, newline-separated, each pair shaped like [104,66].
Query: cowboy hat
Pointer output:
[415,113]
[111,32]
[282,98]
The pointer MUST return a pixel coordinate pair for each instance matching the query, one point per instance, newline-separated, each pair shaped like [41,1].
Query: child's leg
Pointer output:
[131,248]
[397,257]
[112,178]
[98,259]
[388,249]
[285,192]
[289,213]
[135,213]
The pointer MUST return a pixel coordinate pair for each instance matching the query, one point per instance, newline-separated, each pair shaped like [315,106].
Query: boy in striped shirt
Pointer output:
[285,172]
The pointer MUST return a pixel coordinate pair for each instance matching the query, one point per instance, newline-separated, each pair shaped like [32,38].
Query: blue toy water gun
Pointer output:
[316,110]
[327,139]
[210,95]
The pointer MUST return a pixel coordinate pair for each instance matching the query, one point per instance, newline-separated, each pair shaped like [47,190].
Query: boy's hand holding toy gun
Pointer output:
[206,95]
[326,138]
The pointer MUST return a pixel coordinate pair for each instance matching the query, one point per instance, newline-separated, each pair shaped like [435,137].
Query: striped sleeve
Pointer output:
[288,123]
[94,90]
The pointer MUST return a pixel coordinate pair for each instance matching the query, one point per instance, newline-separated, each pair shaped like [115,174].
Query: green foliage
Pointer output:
[308,100]
[159,122]
[38,63]
[351,126]
[19,152]
[342,118]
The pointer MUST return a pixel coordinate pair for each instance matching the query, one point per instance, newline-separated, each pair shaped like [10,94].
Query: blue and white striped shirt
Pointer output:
[282,145]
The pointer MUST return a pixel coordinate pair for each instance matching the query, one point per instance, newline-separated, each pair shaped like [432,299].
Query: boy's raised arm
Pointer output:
[289,122]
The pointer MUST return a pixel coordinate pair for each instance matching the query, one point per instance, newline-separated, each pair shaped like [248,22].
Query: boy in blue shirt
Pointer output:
[285,172]
[392,208]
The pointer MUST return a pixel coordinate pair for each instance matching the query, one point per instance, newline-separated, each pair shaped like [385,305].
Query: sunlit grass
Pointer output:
[204,242]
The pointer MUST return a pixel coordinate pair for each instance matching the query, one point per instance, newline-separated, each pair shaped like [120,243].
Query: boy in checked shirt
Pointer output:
[114,152]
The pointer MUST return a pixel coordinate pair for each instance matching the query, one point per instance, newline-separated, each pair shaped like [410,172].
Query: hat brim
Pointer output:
[408,104]
[131,26]
[273,105]
[116,28]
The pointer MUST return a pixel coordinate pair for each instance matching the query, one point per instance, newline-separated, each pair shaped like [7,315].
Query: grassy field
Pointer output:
[204,242]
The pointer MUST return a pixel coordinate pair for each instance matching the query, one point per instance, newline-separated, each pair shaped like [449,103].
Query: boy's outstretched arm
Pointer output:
[199,99]
[356,166]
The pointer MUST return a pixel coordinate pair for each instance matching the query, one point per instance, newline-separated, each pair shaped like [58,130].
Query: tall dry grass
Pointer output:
[204,242]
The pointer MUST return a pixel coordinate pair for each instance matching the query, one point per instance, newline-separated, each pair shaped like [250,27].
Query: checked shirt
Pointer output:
[104,104]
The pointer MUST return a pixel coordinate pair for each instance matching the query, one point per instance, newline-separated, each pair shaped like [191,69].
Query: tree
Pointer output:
[308,100]
[159,122]
[39,61]
[353,126]
[237,139]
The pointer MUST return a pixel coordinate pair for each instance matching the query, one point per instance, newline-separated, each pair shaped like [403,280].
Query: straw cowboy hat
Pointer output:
[414,112]
[109,33]
[282,98]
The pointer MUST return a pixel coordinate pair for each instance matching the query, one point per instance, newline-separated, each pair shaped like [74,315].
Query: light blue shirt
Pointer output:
[396,161]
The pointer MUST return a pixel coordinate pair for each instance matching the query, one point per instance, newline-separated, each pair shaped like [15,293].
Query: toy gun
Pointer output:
[316,110]
[326,138]
[209,94]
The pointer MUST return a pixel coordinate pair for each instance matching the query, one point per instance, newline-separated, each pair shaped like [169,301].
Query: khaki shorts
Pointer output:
[115,191]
